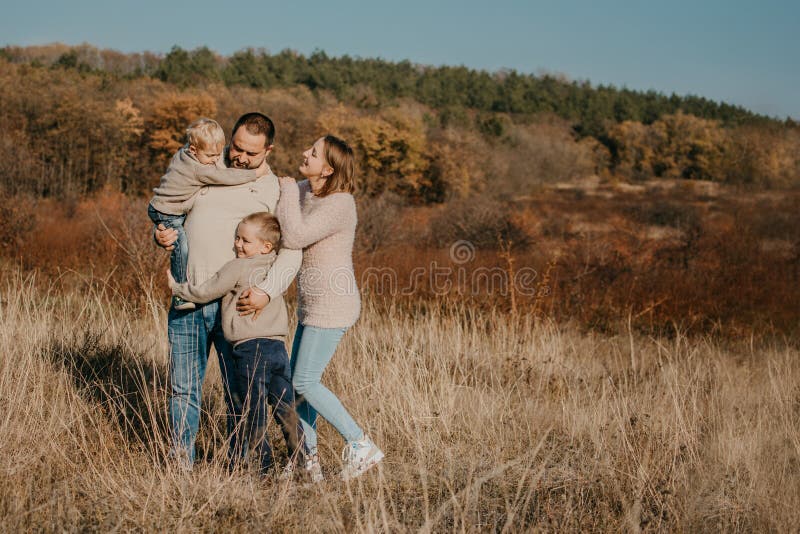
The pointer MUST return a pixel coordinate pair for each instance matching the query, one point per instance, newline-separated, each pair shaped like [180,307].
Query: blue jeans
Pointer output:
[312,350]
[180,254]
[191,334]
[261,371]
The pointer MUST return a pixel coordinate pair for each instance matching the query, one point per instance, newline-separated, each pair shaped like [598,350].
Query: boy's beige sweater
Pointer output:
[184,178]
[325,229]
[234,277]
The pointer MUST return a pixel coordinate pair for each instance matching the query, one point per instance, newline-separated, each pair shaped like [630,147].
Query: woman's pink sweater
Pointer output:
[325,229]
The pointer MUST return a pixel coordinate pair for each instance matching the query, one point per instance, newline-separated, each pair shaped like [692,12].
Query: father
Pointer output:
[210,227]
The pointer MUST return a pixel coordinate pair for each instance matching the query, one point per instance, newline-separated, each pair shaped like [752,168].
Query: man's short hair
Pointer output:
[256,124]
[205,134]
[267,227]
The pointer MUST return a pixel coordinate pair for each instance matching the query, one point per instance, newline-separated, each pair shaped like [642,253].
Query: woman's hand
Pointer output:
[252,300]
[166,237]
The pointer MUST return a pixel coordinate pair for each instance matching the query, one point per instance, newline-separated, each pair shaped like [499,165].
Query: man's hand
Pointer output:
[253,300]
[166,237]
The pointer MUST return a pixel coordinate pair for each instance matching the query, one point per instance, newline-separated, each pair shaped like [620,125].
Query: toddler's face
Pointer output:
[247,243]
[206,156]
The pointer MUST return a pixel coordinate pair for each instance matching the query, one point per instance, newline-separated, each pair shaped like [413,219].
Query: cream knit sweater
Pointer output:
[325,229]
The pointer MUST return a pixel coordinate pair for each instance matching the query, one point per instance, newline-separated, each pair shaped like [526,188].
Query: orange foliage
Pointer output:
[170,117]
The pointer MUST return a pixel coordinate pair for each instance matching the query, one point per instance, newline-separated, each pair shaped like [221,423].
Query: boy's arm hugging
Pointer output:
[214,175]
[215,287]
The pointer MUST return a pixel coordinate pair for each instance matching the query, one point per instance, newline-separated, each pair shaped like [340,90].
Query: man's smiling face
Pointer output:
[247,151]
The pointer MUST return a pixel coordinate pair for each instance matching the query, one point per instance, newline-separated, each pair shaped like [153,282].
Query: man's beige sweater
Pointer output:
[228,283]
[211,229]
[184,178]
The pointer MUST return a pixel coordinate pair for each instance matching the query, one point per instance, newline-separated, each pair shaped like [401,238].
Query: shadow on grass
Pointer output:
[129,389]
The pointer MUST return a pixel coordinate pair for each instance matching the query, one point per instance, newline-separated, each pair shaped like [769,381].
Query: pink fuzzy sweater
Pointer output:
[325,229]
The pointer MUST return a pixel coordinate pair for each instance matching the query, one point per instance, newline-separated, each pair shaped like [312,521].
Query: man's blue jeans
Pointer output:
[191,334]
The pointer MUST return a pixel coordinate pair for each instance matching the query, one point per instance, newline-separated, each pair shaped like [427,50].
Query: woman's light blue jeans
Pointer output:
[312,350]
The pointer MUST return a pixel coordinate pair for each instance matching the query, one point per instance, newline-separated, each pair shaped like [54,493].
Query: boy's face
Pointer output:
[206,156]
[248,244]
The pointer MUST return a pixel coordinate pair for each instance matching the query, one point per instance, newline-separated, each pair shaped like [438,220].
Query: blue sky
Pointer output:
[745,53]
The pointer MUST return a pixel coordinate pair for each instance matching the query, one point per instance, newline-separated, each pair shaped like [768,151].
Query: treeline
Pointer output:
[78,119]
[372,82]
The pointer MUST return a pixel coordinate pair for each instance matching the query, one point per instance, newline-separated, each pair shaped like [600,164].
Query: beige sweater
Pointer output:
[228,283]
[211,228]
[184,178]
[325,229]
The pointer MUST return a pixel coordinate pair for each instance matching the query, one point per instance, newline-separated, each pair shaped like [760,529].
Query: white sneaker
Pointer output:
[358,456]
[312,468]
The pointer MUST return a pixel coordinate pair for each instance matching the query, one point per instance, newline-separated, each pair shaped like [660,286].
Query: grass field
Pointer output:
[490,422]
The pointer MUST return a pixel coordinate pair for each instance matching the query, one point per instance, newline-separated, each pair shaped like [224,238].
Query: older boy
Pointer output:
[261,375]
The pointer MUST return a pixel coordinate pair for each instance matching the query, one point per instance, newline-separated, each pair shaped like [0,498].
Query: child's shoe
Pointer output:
[181,305]
[358,456]
[312,468]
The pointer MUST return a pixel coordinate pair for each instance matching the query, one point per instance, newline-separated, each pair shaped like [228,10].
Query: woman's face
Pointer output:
[314,164]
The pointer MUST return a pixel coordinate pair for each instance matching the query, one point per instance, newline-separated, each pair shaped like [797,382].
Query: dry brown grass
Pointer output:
[489,422]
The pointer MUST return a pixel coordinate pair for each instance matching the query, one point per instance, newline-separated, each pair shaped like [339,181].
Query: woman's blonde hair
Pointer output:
[339,156]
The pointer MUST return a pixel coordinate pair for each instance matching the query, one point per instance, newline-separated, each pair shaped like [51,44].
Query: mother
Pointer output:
[319,216]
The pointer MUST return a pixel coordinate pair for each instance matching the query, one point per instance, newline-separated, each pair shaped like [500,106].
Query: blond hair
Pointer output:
[205,134]
[339,156]
[267,227]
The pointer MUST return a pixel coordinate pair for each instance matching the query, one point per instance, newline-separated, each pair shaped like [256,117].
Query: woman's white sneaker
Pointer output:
[359,456]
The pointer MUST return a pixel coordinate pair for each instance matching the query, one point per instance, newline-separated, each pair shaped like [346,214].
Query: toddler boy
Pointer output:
[191,168]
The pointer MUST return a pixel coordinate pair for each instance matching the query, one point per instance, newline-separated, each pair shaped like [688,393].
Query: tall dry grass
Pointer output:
[489,422]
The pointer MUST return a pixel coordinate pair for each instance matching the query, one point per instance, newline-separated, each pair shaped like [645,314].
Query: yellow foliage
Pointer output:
[676,146]
[391,147]
[172,115]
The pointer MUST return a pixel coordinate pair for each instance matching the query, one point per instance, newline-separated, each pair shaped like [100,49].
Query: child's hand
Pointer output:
[171,280]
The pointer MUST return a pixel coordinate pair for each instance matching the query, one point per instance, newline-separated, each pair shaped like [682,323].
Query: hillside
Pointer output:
[426,133]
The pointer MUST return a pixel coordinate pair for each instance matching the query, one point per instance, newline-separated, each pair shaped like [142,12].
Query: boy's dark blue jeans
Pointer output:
[261,377]
[180,254]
